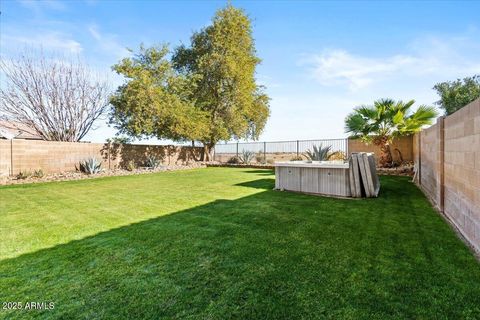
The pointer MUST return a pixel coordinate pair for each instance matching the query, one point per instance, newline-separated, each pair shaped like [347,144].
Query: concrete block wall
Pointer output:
[430,165]
[5,157]
[403,144]
[448,155]
[462,170]
[52,156]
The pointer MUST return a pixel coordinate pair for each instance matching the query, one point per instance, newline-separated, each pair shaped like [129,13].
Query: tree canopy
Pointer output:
[455,95]
[58,97]
[206,92]
[222,56]
[385,120]
[155,100]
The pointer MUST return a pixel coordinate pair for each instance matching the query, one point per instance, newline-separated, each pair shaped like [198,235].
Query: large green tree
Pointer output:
[221,59]
[155,100]
[385,120]
[457,94]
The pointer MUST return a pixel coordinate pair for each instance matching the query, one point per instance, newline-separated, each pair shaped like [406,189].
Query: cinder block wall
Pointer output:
[430,165]
[448,155]
[5,157]
[462,170]
[53,156]
[403,144]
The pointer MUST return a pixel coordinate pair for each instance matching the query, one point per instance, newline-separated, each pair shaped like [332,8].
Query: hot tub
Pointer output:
[315,177]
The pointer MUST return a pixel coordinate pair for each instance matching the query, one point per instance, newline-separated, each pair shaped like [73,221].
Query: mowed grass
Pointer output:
[219,243]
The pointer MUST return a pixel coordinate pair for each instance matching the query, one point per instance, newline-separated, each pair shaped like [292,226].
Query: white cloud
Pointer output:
[339,66]
[52,40]
[108,42]
[448,57]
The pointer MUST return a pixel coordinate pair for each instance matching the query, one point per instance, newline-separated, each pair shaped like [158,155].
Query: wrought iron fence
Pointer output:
[277,150]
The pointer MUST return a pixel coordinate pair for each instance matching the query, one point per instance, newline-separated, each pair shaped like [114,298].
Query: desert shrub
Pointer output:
[233,160]
[270,161]
[337,155]
[152,162]
[90,166]
[297,158]
[23,175]
[260,157]
[131,165]
[246,156]
[38,173]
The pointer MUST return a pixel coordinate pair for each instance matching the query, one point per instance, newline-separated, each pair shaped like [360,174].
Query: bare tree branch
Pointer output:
[60,98]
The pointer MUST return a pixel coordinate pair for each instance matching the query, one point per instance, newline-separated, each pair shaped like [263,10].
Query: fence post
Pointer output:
[265,152]
[237,149]
[297,148]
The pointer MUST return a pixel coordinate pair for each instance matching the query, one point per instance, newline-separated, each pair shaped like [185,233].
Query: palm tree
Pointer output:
[385,120]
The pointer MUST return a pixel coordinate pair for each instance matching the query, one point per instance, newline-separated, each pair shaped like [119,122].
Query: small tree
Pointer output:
[455,95]
[59,98]
[385,120]
[222,60]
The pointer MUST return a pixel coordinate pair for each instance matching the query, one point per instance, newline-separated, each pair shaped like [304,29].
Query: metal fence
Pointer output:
[277,150]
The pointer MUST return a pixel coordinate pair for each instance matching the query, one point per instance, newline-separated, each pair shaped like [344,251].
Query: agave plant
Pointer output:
[90,166]
[319,153]
[152,162]
[246,157]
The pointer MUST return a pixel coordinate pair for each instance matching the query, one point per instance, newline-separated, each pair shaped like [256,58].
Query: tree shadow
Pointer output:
[268,255]
[262,172]
[267,184]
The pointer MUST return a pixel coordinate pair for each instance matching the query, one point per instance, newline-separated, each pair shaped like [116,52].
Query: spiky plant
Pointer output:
[246,157]
[385,120]
[319,153]
[90,166]
[152,162]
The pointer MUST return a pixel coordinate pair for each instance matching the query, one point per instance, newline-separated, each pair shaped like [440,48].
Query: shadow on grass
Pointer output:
[269,255]
[266,184]
[259,172]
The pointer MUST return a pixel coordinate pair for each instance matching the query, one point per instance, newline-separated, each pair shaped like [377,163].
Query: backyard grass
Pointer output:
[219,243]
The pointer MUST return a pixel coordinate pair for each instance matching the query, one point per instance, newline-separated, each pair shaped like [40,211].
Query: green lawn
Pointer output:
[219,243]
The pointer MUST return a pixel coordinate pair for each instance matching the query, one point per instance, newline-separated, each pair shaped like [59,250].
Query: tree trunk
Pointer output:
[386,159]
[207,152]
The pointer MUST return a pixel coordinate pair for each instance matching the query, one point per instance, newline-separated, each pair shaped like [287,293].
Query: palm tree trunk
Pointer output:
[386,159]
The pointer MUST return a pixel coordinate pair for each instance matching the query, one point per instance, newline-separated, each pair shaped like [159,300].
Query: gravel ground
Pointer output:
[76,175]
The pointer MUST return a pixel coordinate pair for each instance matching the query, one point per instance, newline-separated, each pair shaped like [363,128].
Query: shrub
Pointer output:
[131,165]
[337,155]
[246,157]
[38,173]
[260,157]
[233,160]
[152,162]
[319,153]
[90,166]
[297,158]
[270,161]
[23,175]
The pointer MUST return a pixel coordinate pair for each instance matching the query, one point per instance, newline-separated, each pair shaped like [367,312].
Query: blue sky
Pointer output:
[320,59]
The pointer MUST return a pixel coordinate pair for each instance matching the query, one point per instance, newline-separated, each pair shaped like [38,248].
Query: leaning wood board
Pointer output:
[373,173]
[356,176]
